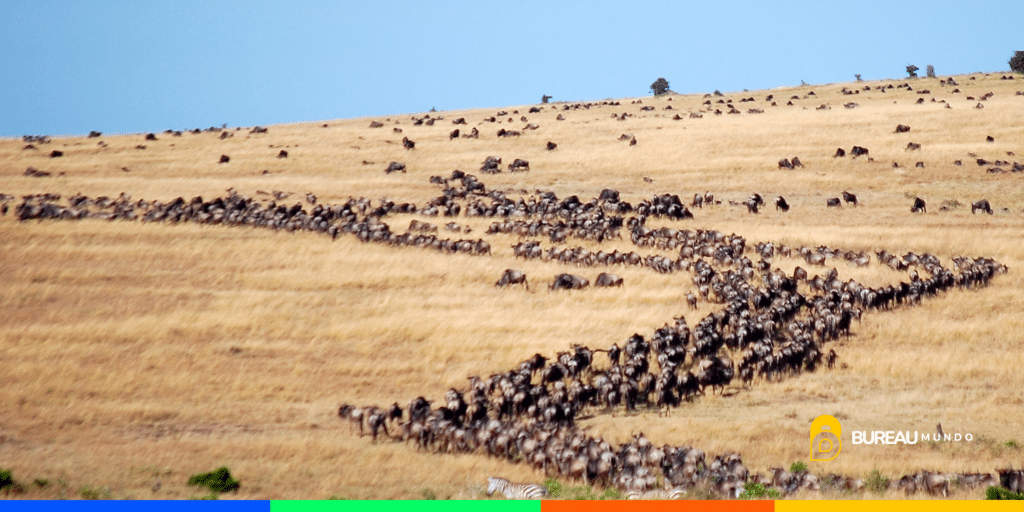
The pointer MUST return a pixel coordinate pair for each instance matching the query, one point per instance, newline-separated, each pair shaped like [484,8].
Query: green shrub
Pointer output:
[429,494]
[999,493]
[1012,443]
[754,491]
[875,482]
[218,480]
[41,482]
[6,479]
[554,488]
[798,467]
[91,493]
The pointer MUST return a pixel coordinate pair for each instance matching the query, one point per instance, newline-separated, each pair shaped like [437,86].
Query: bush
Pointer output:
[859,79]
[753,491]
[998,493]
[41,482]
[798,467]
[90,493]
[930,71]
[912,70]
[875,482]
[660,86]
[218,481]
[1017,62]
[6,479]
[1012,443]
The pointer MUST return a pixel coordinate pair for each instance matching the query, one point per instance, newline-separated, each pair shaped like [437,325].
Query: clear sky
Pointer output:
[140,66]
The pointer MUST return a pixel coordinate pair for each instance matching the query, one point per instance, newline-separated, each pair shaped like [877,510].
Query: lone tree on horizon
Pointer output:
[1017,62]
[912,70]
[930,71]
[660,86]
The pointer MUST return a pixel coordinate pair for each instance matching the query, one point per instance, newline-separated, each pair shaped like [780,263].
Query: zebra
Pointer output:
[515,491]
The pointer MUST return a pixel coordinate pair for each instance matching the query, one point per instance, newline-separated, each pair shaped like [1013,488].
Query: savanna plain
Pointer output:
[133,353]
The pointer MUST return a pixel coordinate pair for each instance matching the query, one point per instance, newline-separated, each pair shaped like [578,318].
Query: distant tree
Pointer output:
[912,70]
[930,71]
[1017,62]
[858,78]
[660,86]
[545,98]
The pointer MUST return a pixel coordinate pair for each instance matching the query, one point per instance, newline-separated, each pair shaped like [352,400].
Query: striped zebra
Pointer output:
[515,491]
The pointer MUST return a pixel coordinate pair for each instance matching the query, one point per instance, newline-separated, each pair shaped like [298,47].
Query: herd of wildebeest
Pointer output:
[770,324]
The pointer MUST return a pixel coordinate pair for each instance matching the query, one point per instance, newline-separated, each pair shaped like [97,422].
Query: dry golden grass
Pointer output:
[134,352]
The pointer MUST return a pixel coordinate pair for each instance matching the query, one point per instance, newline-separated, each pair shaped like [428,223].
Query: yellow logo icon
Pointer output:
[826,438]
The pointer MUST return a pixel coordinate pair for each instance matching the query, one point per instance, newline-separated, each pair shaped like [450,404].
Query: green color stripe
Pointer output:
[406,506]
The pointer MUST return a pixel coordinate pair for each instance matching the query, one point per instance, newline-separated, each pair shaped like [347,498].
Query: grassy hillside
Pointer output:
[134,352]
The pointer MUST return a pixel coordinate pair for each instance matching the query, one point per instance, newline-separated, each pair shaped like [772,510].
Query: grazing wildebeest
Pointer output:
[785,164]
[902,128]
[512,277]
[982,205]
[454,134]
[150,136]
[519,165]
[911,146]
[632,142]
[473,134]
[224,159]
[840,152]
[395,167]
[781,204]
[859,151]
[919,206]
[919,165]
[751,205]
[507,133]
[408,143]
[606,280]
[569,282]
[552,146]
[609,195]
[56,153]
[796,162]
[491,165]
[849,198]
[833,202]
[990,138]
[376,124]
[282,154]
[691,300]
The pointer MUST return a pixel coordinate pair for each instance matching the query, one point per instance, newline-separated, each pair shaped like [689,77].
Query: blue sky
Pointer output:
[127,67]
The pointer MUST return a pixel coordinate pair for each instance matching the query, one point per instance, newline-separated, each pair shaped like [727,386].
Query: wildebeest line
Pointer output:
[714,371]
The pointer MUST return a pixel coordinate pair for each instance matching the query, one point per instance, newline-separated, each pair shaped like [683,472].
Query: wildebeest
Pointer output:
[376,124]
[56,153]
[781,204]
[512,277]
[919,206]
[785,164]
[569,282]
[454,134]
[224,159]
[473,134]
[751,205]
[519,165]
[150,136]
[912,146]
[902,128]
[408,143]
[832,356]
[796,162]
[982,205]
[919,165]
[507,133]
[833,202]
[850,198]
[859,151]
[606,280]
[282,154]
[840,152]
[395,167]
[552,146]
[491,165]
